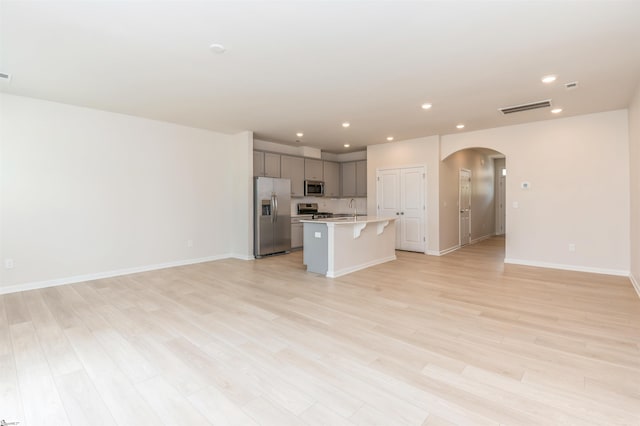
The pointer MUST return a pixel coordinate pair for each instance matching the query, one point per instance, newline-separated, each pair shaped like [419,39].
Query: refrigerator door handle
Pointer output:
[273,208]
[275,197]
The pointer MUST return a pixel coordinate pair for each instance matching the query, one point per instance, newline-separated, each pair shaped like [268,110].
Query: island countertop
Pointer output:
[349,220]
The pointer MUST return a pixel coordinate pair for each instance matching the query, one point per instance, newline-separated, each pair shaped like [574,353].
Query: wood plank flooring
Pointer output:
[459,339]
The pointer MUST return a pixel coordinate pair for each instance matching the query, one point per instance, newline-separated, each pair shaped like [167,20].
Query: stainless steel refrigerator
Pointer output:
[272,216]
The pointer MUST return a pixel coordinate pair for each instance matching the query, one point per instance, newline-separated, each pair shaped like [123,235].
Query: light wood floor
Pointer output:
[459,339]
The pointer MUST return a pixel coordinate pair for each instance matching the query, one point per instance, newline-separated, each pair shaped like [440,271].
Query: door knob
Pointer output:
[402,213]
[397,214]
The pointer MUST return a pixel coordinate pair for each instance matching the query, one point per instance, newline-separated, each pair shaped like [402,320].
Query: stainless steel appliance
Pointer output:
[312,209]
[272,216]
[314,188]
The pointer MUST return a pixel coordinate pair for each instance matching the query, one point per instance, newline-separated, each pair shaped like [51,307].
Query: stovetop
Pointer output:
[312,209]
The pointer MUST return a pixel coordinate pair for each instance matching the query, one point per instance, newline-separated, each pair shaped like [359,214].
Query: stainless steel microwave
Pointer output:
[313,188]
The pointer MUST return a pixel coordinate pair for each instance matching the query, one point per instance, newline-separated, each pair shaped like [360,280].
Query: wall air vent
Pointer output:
[572,85]
[5,76]
[525,107]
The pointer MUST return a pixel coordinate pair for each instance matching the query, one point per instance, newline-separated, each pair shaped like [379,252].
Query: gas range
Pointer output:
[312,209]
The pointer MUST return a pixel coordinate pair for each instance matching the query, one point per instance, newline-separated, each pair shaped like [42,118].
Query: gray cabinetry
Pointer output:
[331,172]
[353,179]
[266,164]
[296,233]
[312,169]
[348,179]
[271,165]
[292,168]
[361,178]
[258,163]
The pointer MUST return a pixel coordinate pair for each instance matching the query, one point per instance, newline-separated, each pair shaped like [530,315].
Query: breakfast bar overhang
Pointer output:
[335,247]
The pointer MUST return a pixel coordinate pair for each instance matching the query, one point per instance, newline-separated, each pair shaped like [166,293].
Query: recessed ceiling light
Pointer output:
[426,106]
[299,134]
[556,110]
[218,48]
[389,138]
[346,145]
[346,124]
[548,79]
[460,126]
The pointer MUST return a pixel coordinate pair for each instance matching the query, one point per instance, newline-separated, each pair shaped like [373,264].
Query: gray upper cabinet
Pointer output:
[354,178]
[313,169]
[292,168]
[348,179]
[361,178]
[258,163]
[331,172]
[271,165]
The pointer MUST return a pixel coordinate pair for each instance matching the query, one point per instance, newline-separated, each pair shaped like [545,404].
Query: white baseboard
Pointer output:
[242,256]
[449,250]
[477,240]
[577,268]
[432,252]
[107,274]
[636,283]
[345,271]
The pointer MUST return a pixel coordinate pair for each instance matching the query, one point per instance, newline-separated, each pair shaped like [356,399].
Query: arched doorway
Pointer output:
[472,197]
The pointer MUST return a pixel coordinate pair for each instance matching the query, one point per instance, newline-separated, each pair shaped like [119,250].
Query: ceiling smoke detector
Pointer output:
[525,107]
[572,85]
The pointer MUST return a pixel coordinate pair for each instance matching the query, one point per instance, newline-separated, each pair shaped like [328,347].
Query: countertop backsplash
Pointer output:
[333,205]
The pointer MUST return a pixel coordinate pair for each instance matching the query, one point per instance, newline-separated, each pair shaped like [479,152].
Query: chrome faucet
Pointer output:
[352,204]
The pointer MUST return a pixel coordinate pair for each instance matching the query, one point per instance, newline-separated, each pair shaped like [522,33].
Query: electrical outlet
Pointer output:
[8,264]
[317,234]
[189,243]
[516,205]
[572,247]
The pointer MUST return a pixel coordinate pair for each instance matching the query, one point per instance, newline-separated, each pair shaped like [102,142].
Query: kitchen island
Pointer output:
[339,246]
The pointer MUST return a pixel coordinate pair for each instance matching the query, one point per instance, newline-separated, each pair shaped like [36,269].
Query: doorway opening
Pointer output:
[473,198]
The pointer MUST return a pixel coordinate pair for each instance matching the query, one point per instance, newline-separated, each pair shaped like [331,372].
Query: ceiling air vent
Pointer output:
[525,107]
[5,76]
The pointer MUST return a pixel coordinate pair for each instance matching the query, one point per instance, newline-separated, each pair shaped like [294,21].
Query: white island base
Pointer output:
[335,247]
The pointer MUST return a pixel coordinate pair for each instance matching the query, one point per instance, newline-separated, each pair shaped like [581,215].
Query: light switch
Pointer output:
[318,234]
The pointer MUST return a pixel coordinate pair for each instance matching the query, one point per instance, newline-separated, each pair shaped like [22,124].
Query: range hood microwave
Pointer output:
[313,188]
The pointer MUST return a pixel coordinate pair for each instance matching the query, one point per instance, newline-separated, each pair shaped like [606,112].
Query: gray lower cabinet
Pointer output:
[297,231]
[331,172]
[292,168]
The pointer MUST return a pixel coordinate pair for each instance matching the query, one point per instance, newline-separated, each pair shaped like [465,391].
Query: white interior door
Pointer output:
[465,206]
[388,192]
[412,209]
[400,193]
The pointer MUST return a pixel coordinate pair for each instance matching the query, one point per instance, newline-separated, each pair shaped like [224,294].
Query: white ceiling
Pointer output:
[309,66]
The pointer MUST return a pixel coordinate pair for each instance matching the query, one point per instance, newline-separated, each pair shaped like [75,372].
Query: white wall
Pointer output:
[482,197]
[578,168]
[634,166]
[414,152]
[240,177]
[86,192]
